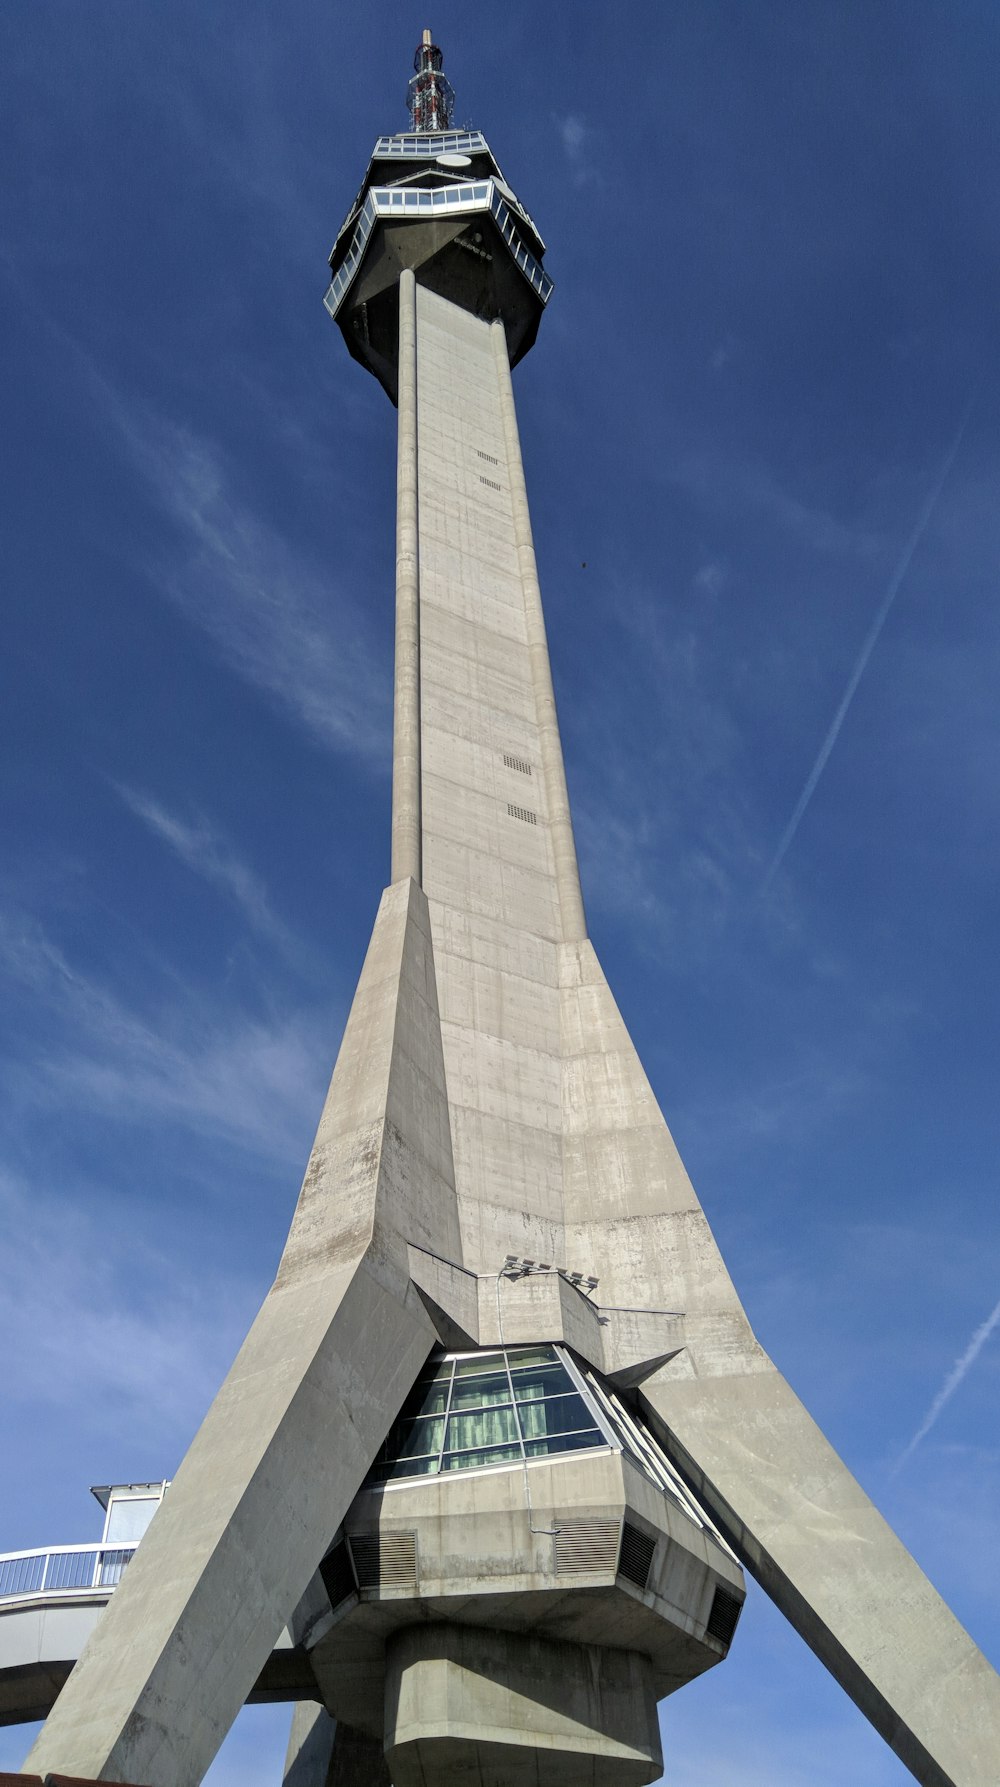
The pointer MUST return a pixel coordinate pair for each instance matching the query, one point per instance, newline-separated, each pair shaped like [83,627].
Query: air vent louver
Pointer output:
[385,1560]
[586,1546]
[725,1612]
[524,813]
[636,1555]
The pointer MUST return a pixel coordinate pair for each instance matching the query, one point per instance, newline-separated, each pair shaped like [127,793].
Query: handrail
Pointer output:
[61,1570]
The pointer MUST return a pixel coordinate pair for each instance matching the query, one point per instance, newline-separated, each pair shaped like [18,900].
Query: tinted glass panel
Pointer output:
[473,1392]
[407,1467]
[419,1437]
[485,1427]
[478,1364]
[565,1442]
[540,1380]
[558,1414]
[469,1461]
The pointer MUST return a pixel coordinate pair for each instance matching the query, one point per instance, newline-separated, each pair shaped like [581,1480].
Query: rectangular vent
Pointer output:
[385,1560]
[722,1619]
[636,1555]
[490,483]
[584,1547]
[338,1577]
[524,813]
[517,763]
[491,458]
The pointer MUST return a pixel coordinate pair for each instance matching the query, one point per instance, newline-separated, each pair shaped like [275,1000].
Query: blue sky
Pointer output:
[773,231]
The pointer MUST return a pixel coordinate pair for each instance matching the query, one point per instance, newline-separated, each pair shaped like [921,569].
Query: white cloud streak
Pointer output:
[864,655]
[276,618]
[219,1073]
[204,850]
[956,1376]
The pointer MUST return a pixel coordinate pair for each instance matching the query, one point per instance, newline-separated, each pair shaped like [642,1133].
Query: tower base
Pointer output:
[465,1706]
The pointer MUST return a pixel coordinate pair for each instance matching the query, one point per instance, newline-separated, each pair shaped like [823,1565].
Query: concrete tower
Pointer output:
[501,1437]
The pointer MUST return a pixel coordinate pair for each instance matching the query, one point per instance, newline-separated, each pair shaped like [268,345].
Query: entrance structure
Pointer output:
[501,1436]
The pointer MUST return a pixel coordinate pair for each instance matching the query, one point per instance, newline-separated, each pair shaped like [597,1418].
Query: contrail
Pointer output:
[865,653]
[950,1385]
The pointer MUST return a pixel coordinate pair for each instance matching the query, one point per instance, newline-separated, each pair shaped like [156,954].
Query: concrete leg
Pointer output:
[801,1524]
[322,1752]
[315,1387]
[310,1746]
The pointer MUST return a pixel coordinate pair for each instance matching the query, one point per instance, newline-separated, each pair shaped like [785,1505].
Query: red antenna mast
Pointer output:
[430,97]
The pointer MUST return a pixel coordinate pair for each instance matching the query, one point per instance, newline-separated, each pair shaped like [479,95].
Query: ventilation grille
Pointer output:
[338,1577]
[722,1619]
[491,483]
[517,763]
[636,1555]
[491,458]
[524,813]
[385,1560]
[586,1546]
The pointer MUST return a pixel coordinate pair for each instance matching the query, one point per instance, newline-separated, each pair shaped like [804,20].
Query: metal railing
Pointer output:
[460,196]
[70,1570]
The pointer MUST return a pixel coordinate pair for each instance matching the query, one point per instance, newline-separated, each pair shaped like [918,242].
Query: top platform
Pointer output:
[435,202]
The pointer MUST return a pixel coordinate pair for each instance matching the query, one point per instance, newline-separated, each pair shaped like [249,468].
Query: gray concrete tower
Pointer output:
[501,1437]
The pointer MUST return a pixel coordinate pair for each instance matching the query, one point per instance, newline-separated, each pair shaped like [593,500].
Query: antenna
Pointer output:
[430,96]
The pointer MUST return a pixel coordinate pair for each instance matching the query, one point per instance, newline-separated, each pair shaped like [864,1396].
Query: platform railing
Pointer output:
[68,1570]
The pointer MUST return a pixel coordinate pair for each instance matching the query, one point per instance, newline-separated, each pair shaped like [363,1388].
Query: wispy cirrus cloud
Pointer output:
[204,849]
[956,1376]
[215,1070]
[861,662]
[577,138]
[275,615]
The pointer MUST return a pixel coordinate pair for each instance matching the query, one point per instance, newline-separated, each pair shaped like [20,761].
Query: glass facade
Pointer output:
[473,1409]
[507,1406]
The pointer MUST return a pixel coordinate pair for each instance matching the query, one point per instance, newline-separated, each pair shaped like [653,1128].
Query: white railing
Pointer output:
[70,1570]
[460,196]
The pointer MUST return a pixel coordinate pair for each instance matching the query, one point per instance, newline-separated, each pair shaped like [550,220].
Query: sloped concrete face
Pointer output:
[496,1709]
[336,1347]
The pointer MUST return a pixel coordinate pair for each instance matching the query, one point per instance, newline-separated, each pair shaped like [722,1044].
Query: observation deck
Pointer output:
[51,1599]
[436,203]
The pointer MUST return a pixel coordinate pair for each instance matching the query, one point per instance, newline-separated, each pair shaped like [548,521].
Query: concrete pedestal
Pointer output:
[466,1707]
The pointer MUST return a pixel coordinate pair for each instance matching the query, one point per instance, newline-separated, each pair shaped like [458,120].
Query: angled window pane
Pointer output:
[470,1461]
[476,1392]
[540,1380]
[479,1363]
[419,1436]
[523,1356]
[484,1427]
[407,1467]
[586,1440]
[557,1414]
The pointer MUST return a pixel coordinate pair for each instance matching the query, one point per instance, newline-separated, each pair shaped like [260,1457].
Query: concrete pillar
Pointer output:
[406,852]
[310,1746]
[574,922]
[323,1752]
[313,1391]
[503,1709]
